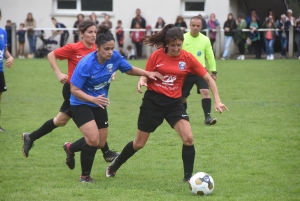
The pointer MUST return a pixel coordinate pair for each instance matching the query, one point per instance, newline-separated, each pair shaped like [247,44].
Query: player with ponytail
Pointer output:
[162,100]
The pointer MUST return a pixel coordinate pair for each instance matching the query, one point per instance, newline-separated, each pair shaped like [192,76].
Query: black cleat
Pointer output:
[210,121]
[2,129]
[86,179]
[70,160]
[27,144]
[111,170]
[110,155]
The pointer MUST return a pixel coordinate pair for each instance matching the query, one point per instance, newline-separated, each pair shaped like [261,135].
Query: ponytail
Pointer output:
[104,35]
[161,39]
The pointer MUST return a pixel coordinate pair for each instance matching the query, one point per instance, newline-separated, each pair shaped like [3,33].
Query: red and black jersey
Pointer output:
[173,70]
[73,52]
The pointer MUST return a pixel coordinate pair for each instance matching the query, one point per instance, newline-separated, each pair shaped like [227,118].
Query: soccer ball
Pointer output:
[202,183]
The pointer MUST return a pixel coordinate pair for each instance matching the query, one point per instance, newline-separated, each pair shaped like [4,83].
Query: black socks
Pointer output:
[126,153]
[188,157]
[206,105]
[46,128]
[87,158]
[77,145]
[105,149]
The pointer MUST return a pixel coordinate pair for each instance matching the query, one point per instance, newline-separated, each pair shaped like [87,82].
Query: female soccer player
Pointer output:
[89,87]
[73,53]
[162,100]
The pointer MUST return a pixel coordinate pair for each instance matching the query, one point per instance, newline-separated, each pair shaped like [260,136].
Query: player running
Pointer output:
[89,86]
[73,53]
[162,100]
[199,45]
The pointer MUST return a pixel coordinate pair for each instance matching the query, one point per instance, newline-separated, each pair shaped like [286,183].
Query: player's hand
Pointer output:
[9,62]
[62,78]
[113,76]
[155,75]
[214,77]
[141,83]
[101,101]
[220,107]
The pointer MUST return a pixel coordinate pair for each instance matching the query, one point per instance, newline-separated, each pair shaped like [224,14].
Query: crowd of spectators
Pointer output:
[255,42]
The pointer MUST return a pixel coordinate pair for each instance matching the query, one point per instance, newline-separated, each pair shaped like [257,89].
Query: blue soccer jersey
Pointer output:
[3,44]
[94,78]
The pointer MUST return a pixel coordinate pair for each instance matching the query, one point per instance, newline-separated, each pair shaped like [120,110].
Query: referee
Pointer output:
[199,45]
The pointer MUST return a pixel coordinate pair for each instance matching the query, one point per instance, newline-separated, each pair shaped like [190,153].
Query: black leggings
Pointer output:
[139,46]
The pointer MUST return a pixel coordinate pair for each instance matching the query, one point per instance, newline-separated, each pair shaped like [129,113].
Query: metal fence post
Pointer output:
[291,42]
[218,42]
[13,39]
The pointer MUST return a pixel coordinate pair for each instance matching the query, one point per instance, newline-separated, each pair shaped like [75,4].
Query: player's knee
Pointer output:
[204,93]
[138,145]
[60,123]
[92,141]
[188,140]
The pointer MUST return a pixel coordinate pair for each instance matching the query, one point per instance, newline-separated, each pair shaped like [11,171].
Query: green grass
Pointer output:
[253,152]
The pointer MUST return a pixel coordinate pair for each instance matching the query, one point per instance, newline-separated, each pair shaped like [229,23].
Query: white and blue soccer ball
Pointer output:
[202,183]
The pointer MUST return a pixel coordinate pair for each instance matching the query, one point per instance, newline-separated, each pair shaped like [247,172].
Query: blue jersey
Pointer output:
[3,44]
[94,78]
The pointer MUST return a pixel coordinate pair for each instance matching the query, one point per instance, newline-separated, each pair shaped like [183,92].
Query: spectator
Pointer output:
[290,17]
[8,31]
[240,37]
[137,39]
[21,39]
[80,18]
[130,54]
[212,25]
[229,27]
[107,21]
[64,34]
[138,18]
[180,23]
[284,25]
[120,36]
[93,17]
[252,12]
[160,23]
[30,24]
[297,36]
[254,35]
[269,36]
[204,25]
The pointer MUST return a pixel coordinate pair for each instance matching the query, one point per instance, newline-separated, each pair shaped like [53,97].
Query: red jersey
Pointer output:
[173,70]
[74,52]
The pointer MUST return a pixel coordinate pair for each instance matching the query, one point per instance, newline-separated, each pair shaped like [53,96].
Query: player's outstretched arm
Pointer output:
[219,106]
[62,78]
[141,72]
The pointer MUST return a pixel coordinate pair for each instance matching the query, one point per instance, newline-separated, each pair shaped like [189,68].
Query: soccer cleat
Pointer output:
[70,160]
[86,179]
[110,172]
[2,129]
[210,121]
[110,155]
[27,144]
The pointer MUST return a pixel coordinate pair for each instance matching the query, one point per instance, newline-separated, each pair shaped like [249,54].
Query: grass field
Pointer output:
[253,152]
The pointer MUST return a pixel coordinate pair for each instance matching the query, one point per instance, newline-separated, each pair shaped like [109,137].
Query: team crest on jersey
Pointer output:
[199,53]
[109,68]
[2,37]
[182,65]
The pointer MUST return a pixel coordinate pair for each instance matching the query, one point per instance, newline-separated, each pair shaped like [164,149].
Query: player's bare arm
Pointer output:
[141,72]
[142,82]
[62,78]
[9,58]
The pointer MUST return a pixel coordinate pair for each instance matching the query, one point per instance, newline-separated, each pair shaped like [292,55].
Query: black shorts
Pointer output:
[2,82]
[189,82]
[85,113]
[157,107]
[66,93]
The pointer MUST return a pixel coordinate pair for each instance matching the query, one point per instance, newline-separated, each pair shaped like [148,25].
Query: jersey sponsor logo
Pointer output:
[158,65]
[101,85]
[109,68]
[78,56]
[182,65]
[199,53]
[169,80]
